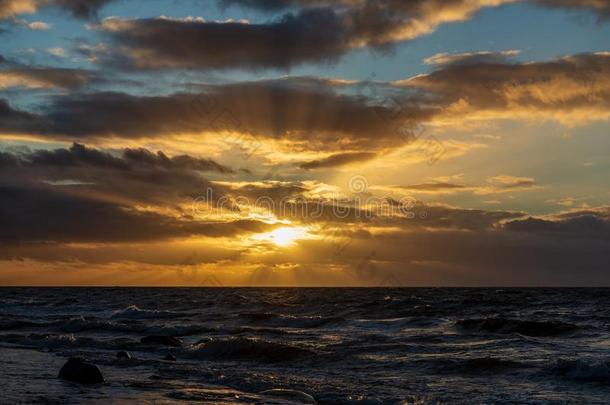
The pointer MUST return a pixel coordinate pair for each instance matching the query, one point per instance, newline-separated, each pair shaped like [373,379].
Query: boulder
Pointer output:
[290,395]
[162,340]
[80,371]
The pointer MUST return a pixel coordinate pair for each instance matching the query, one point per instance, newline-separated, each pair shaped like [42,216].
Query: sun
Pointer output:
[284,236]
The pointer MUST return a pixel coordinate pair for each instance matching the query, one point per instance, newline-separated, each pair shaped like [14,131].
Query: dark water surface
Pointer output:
[364,346]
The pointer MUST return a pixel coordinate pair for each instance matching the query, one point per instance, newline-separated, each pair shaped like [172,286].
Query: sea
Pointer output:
[308,345]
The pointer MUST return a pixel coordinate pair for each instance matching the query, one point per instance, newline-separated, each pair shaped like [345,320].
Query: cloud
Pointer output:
[581,224]
[342,119]
[45,77]
[85,195]
[126,205]
[338,159]
[19,121]
[461,248]
[382,23]
[310,36]
[308,117]
[512,182]
[10,8]
[494,185]
[78,8]
[318,32]
[44,215]
[57,51]
[470,57]
[572,90]
[34,25]
[434,187]
[81,156]
[134,177]
[81,8]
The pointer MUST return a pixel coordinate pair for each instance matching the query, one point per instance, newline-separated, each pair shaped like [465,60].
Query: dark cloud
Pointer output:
[323,115]
[81,8]
[78,8]
[19,121]
[569,89]
[454,246]
[458,219]
[601,7]
[45,215]
[81,156]
[480,258]
[310,36]
[311,117]
[319,31]
[82,194]
[137,176]
[338,159]
[579,224]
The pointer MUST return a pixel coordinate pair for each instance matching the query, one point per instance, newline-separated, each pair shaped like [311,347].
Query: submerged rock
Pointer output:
[291,395]
[80,371]
[162,340]
[123,355]
[170,357]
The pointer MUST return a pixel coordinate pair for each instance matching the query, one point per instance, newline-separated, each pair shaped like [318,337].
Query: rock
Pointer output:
[291,395]
[80,371]
[170,357]
[162,340]
[123,355]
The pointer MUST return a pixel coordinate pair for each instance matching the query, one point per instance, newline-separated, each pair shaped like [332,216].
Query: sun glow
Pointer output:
[284,236]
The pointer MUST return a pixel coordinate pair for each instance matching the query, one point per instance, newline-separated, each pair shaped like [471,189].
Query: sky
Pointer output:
[305,142]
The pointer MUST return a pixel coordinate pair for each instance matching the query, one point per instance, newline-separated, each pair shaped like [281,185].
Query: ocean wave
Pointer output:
[46,340]
[247,349]
[289,321]
[134,312]
[585,370]
[82,324]
[506,326]
[399,323]
[58,341]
